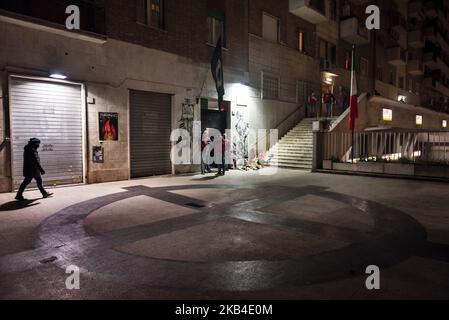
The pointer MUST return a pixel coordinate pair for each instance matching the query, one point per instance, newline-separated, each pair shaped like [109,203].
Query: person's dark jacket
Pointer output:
[31,162]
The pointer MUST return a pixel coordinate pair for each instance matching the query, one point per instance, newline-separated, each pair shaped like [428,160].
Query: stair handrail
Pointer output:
[289,117]
[346,112]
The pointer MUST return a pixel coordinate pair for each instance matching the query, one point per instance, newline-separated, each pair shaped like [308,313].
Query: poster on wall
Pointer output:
[98,154]
[108,126]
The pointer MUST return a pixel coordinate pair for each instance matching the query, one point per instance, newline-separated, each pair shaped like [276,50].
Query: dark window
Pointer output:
[380,72]
[270,28]
[333,10]
[364,65]
[328,51]
[216,28]
[392,79]
[348,62]
[270,86]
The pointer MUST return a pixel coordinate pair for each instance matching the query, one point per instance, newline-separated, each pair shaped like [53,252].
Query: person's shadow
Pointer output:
[207,178]
[18,205]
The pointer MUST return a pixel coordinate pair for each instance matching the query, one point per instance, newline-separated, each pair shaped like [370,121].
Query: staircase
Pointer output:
[294,150]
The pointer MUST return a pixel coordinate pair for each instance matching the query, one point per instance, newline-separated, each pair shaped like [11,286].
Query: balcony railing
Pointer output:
[415,67]
[92,15]
[399,25]
[415,9]
[396,56]
[430,8]
[409,146]
[416,39]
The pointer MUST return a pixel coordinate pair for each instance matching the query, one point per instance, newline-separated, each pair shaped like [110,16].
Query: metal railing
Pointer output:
[418,146]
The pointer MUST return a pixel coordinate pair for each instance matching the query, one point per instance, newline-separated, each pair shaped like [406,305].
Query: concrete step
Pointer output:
[301,131]
[296,167]
[295,140]
[295,155]
[305,146]
[291,153]
[293,161]
[298,133]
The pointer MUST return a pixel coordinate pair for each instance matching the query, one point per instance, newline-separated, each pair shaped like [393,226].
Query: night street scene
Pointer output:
[247,151]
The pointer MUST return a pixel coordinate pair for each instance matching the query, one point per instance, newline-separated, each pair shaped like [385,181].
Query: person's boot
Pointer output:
[47,195]
[20,197]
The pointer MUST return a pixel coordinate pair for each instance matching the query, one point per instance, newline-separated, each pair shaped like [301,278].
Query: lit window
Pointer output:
[402,98]
[155,13]
[419,120]
[444,123]
[387,114]
[301,41]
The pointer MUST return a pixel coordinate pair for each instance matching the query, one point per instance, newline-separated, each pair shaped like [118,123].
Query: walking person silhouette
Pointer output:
[32,169]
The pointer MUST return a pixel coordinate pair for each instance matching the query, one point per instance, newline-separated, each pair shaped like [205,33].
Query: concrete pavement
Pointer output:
[293,235]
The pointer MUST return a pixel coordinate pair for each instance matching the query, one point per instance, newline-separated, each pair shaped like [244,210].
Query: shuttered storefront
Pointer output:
[51,112]
[150,130]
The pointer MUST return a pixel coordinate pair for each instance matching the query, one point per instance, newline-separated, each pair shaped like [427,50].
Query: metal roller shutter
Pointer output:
[51,112]
[150,130]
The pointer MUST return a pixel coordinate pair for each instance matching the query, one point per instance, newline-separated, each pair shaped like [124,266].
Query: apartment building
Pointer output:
[139,69]
[429,33]
[299,47]
[105,99]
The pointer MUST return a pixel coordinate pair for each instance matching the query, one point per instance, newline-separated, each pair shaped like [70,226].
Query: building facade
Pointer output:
[105,100]
[134,72]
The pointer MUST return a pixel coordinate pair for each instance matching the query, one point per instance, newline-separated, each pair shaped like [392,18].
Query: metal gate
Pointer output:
[52,112]
[150,130]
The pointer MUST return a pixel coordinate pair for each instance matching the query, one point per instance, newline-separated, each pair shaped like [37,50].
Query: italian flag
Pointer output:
[353,105]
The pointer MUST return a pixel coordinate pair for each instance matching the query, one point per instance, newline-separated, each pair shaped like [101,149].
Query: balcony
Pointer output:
[416,39]
[415,67]
[430,33]
[313,11]
[352,31]
[435,84]
[441,88]
[430,9]
[52,13]
[415,9]
[431,61]
[396,56]
[400,26]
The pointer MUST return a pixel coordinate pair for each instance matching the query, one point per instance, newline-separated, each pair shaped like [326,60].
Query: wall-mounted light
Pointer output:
[419,120]
[387,114]
[58,75]
[402,98]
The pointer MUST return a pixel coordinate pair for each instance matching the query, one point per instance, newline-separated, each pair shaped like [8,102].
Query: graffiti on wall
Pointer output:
[240,136]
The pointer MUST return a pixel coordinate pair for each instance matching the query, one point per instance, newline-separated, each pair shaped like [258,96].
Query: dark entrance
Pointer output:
[214,119]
